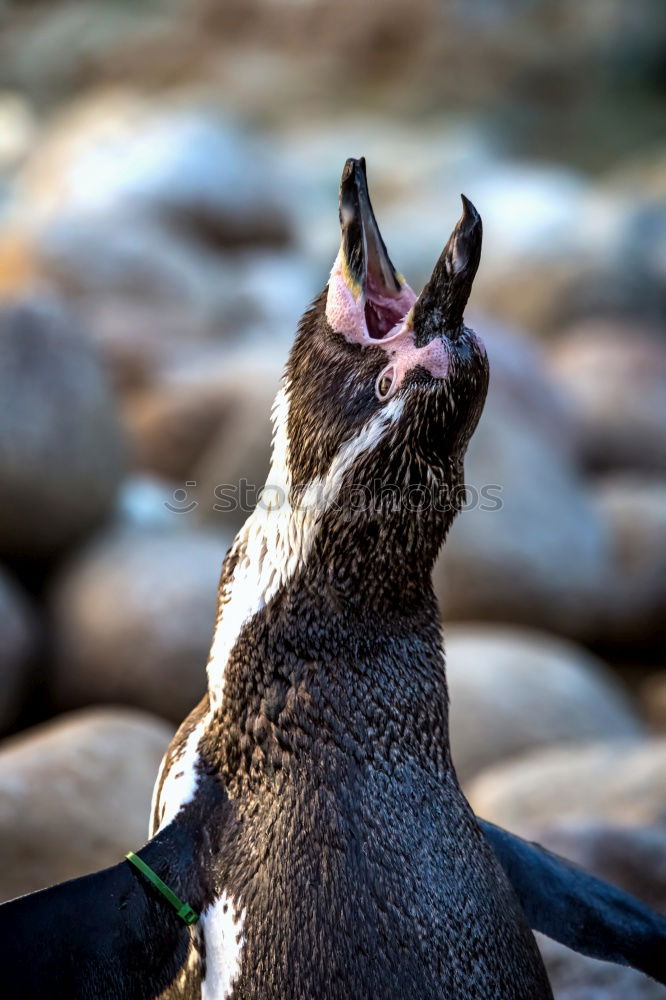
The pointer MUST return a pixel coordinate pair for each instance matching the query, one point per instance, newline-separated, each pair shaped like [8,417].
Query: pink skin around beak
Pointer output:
[346,313]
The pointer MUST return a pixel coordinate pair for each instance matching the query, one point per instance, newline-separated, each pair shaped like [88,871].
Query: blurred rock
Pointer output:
[545,295]
[121,267]
[170,425]
[167,224]
[147,503]
[234,467]
[151,299]
[18,129]
[652,693]
[641,176]
[594,252]
[618,781]
[633,858]
[615,375]
[33,43]
[269,293]
[632,594]
[75,795]
[133,620]
[207,422]
[522,384]
[535,295]
[514,689]
[19,270]
[61,451]
[257,53]
[530,548]
[197,171]
[135,334]
[532,213]
[577,977]
[170,291]
[637,185]
[17,642]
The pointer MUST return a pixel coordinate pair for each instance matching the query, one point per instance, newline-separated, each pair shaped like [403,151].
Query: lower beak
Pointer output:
[366,262]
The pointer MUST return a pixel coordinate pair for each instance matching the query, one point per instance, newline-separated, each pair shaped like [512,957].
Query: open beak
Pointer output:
[387,300]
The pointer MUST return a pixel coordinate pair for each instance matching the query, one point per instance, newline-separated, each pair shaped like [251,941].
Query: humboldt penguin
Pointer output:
[309,838]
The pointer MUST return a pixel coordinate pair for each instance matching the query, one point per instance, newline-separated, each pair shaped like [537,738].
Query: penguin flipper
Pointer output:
[108,935]
[583,912]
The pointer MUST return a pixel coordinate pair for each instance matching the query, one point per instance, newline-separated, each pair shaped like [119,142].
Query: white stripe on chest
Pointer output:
[222,927]
[277,538]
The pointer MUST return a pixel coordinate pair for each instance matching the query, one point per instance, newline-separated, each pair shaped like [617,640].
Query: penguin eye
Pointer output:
[385,383]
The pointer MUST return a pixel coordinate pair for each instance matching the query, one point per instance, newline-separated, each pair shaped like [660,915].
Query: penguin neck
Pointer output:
[329,605]
[313,643]
[359,570]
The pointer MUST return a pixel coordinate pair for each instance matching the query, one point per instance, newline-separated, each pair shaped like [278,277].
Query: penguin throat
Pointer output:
[382,312]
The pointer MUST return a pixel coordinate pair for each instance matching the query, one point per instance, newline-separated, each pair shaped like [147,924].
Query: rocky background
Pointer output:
[168,198]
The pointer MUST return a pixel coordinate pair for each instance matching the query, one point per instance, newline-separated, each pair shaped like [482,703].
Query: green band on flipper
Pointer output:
[184,910]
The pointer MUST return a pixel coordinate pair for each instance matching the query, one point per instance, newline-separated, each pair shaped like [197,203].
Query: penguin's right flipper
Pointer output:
[577,909]
[109,935]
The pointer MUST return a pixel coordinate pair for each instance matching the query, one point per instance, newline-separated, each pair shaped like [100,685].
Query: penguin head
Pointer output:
[383,384]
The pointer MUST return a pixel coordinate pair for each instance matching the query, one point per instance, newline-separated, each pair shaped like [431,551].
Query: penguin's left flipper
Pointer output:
[577,909]
[109,935]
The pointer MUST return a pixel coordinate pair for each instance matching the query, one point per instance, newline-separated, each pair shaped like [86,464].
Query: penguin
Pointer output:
[309,838]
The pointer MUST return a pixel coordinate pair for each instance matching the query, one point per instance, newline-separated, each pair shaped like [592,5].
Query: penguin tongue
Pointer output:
[365,254]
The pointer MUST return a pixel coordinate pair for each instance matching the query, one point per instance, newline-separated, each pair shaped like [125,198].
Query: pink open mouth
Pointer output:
[382,311]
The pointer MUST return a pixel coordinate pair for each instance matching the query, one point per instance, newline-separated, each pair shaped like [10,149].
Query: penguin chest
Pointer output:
[339,898]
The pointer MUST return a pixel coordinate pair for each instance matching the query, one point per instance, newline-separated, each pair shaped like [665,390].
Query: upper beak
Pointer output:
[440,306]
[366,263]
